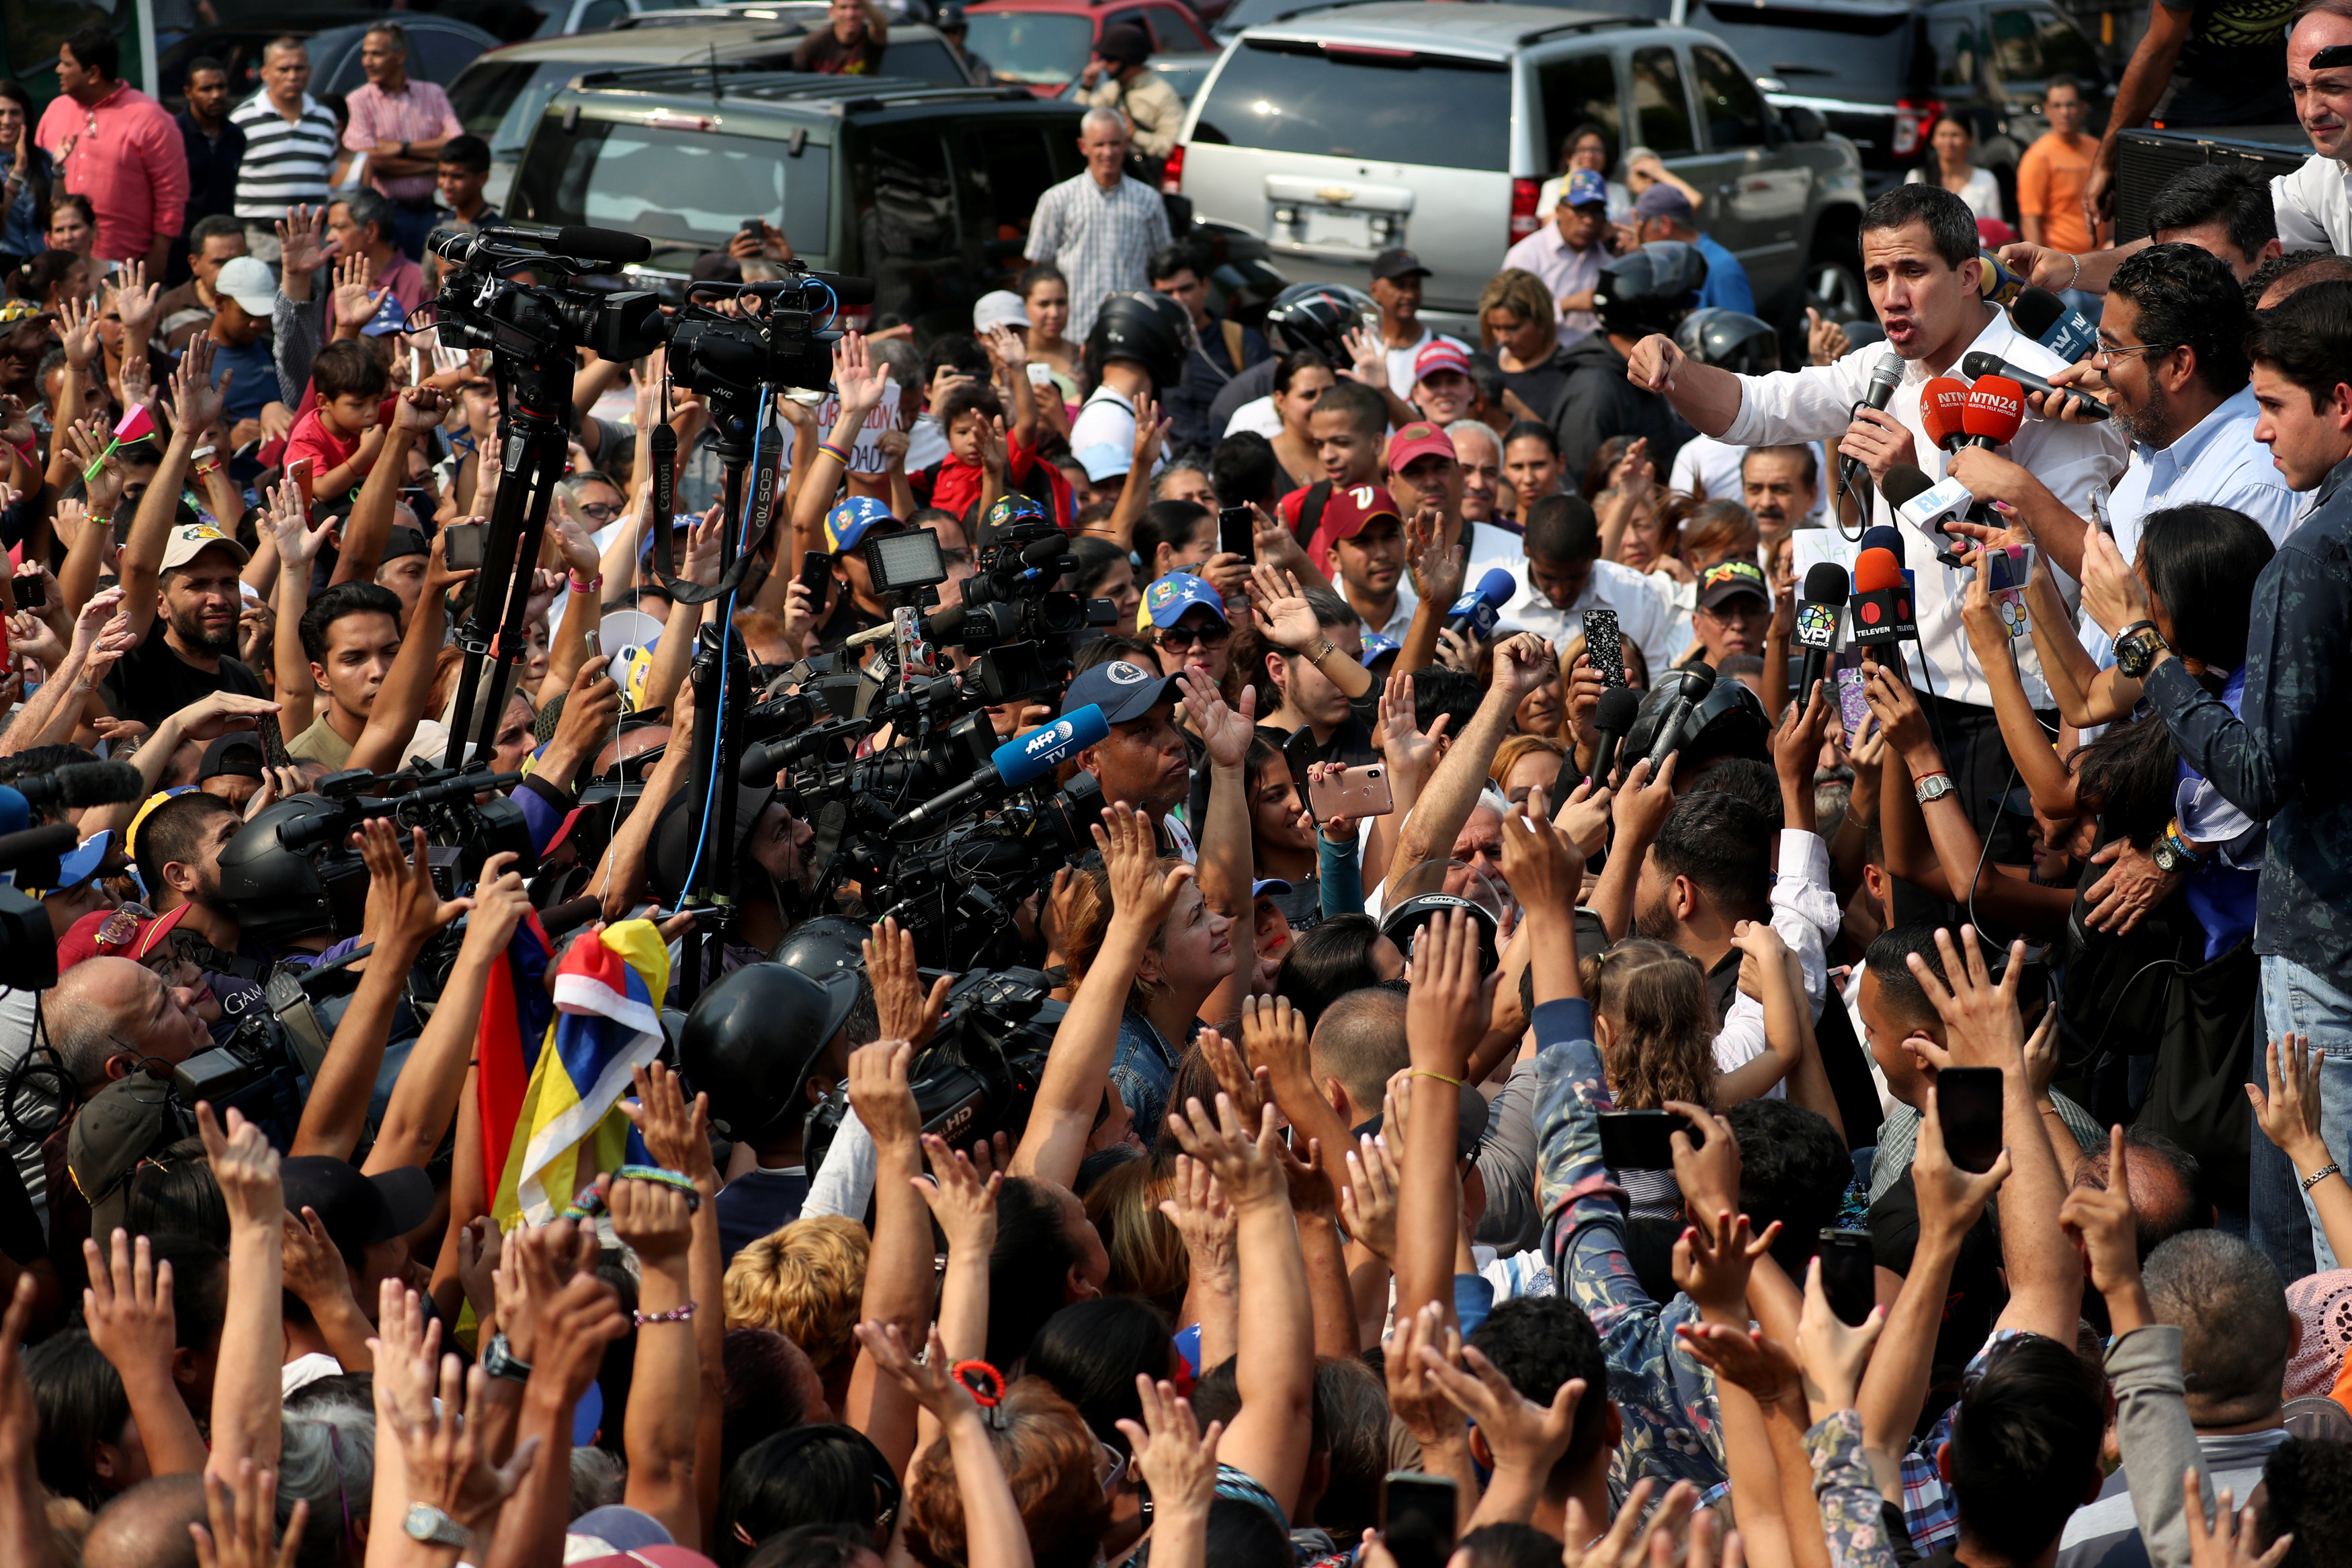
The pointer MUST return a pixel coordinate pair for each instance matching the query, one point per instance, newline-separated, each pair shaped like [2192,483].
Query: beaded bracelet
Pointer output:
[675,1315]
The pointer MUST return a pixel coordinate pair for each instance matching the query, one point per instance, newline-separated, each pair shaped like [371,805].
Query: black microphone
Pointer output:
[80,784]
[847,289]
[20,850]
[602,244]
[1977,363]
[1613,718]
[1883,383]
[1698,680]
[1818,613]
[2054,324]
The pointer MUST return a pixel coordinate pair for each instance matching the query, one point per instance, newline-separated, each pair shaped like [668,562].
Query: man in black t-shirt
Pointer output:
[852,46]
[189,647]
[2223,63]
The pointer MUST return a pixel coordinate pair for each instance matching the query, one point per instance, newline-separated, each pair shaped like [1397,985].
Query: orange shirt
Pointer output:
[2050,181]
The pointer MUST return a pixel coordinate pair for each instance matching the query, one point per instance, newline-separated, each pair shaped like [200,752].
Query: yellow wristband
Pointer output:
[1425,1072]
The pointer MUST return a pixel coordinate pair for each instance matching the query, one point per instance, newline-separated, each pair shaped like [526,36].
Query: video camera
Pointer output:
[774,338]
[480,308]
[978,1074]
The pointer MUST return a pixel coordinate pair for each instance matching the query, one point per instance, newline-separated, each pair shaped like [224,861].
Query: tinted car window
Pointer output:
[923,59]
[1869,53]
[685,187]
[601,15]
[1296,98]
[1958,48]
[1661,112]
[500,102]
[1579,88]
[1727,100]
[2030,46]
[439,55]
[1031,48]
[904,216]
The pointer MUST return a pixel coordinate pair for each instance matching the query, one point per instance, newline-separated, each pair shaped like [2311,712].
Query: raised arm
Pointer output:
[299,545]
[1520,663]
[2046,777]
[652,1219]
[899,1271]
[1443,1019]
[127,1309]
[860,382]
[246,1392]
[992,1535]
[416,411]
[195,403]
[2289,1116]
[1077,1067]
[408,685]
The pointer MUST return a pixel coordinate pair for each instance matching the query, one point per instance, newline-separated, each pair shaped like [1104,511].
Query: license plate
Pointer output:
[1328,225]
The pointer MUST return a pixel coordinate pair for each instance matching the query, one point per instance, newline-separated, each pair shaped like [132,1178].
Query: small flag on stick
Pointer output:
[137,425]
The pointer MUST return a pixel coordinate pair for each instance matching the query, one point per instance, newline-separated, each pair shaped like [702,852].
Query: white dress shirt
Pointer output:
[1805,913]
[1705,463]
[1816,404]
[2313,205]
[1641,614]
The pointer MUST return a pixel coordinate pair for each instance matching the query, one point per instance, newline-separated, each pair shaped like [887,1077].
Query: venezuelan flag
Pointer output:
[516,1011]
[608,1023]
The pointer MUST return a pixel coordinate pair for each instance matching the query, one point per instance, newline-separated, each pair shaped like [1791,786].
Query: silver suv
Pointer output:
[1336,134]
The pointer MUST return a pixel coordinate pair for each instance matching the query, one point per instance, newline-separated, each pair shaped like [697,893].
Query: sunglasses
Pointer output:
[1180,637]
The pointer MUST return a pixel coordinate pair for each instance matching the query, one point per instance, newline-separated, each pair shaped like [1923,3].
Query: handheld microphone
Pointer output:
[1941,402]
[1881,598]
[1698,680]
[1818,613]
[1881,536]
[20,850]
[1978,364]
[1613,718]
[1994,409]
[1475,612]
[1997,283]
[1015,763]
[1883,383]
[1903,485]
[2054,324]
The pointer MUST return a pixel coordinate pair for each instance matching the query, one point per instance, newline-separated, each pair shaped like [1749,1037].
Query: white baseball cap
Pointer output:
[248,283]
[999,307]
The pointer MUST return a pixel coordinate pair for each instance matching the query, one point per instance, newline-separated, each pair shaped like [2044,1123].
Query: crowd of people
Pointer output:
[1879,1057]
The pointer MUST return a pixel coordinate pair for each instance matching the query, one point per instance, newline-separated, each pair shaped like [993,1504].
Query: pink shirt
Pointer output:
[126,155]
[417,113]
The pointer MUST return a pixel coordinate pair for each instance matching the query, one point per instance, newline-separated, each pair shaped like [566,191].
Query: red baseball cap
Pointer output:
[1419,439]
[125,932]
[1439,355]
[1345,515]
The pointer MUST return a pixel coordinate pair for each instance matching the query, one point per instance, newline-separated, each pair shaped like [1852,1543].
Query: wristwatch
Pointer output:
[434,1528]
[2169,857]
[1934,786]
[500,1361]
[2137,648]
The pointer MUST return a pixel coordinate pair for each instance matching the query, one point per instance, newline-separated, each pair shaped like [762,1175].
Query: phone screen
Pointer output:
[1237,531]
[1968,1102]
[273,742]
[1644,1140]
[1849,1274]
[1418,1517]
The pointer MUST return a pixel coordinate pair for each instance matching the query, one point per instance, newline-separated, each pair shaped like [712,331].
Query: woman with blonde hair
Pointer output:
[1518,338]
[1526,761]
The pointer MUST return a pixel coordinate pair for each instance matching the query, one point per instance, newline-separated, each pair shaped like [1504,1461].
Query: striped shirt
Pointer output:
[284,164]
[1100,239]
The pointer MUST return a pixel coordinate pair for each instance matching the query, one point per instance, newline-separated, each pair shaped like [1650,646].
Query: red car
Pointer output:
[1042,45]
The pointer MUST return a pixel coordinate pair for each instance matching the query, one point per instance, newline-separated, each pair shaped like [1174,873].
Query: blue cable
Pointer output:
[725,634]
[832,303]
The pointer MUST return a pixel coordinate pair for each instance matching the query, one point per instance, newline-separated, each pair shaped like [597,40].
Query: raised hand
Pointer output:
[1832,1354]
[1278,604]
[857,376]
[959,1197]
[1245,1088]
[78,328]
[403,907]
[703,542]
[1447,1012]
[1949,1198]
[1244,1161]
[136,300]
[196,402]
[355,303]
[1526,1438]
[676,1134]
[1398,731]
[439,1437]
[245,1166]
[1225,730]
[1522,663]
[1177,1460]
[655,1219]
[1415,1397]
[2230,1542]
[1434,555]
[1983,1025]
[302,242]
[298,544]
[927,1381]
[1368,1204]
[1543,869]
[1749,1358]
[1713,1273]
[1196,1207]
[878,1092]
[243,1528]
[127,1305]
[906,1011]
[2289,1115]
[1141,892]
[422,409]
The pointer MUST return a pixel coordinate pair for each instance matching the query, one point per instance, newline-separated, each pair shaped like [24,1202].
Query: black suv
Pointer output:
[927,190]
[1882,74]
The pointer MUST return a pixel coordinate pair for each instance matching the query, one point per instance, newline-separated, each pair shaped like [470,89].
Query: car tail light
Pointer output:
[1914,124]
[1523,208]
[1172,178]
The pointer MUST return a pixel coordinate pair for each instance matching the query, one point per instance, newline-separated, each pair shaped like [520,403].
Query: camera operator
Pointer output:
[108,1018]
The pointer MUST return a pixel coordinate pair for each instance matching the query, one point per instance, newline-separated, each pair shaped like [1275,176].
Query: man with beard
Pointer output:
[1782,488]
[2171,367]
[184,568]
[177,847]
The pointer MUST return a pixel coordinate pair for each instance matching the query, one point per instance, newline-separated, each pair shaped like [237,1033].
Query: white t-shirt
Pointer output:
[1102,437]
[1400,377]
[1715,464]
[1258,414]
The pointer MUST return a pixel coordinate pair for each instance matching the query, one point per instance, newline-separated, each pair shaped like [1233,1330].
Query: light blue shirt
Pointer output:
[2219,463]
[1727,285]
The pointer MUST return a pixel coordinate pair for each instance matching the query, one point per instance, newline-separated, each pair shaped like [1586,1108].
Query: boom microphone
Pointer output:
[1818,613]
[1883,383]
[1978,364]
[1475,612]
[1015,763]
[1613,718]
[75,785]
[1881,598]
[602,244]
[2054,324]
[1698,680]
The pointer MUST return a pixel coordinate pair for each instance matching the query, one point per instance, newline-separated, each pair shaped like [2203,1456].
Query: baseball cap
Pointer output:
[390,316]
[78,864]
[402,541]
[620,1528]
[1585,187]
[357,1210]
[237,755]
[112,1135]
[1106,460]
[1266,884]
[1122,690]
[1436,356]
[247,281]
[851,521]
[1378,646]
[998,308]
[131,833]
[1398,262]
[129,932]
[1167,600]
[1419,439]
[188,540]
[1349,511]
[1661,200]
[1727,580]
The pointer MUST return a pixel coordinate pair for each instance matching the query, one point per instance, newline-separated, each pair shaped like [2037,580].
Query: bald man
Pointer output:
[146,1526]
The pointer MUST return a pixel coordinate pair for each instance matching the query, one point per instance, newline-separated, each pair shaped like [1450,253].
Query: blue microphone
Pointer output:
[1475,612]
[1880,535]
[1015,763]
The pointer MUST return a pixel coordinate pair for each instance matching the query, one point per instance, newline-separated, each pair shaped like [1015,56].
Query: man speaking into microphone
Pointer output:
[1921,265]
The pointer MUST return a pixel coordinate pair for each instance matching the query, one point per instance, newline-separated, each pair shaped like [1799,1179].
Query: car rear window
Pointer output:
[1034,48]
[1867,54]
[674,187]
[500,103]
[1395,108]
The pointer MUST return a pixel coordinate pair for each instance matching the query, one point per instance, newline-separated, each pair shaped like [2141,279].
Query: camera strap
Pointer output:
[767,500]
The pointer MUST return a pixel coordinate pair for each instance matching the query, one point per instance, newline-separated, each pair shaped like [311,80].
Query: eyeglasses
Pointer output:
[2109,353]
[600,511]
[1111,1466]
[1182,637]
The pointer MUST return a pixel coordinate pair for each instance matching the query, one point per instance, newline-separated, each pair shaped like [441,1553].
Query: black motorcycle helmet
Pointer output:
[276,893]
[1650,290]
[1729,722]
[749,1043]
[1730,341]
[1319,316]
[1152,330]
[830,950]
